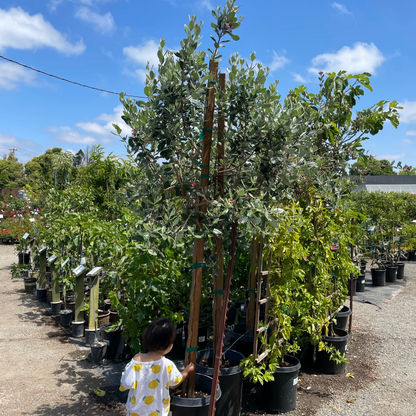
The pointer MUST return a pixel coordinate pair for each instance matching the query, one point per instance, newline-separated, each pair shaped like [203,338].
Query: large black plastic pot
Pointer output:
[98,352]
[279,396]
[361,283]
[323,362]
[391,274]
[240,342]
[231,381]
[30,284]
[65,316]
[182,406]
[354,286]
[400,271]
[412,256]
[378,277]
[24,258]
[342,317]
[114,341]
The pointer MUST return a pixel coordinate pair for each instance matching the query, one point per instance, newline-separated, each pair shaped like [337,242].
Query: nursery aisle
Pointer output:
[43,372]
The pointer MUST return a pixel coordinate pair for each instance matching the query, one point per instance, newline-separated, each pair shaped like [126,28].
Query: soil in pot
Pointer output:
[279,396]
[339,340]
[103,317]
[391,274]
[361,283]
[378,277]
[342,317]
[230,378]
[198,406]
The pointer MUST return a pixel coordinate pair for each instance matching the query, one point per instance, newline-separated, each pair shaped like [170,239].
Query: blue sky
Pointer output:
[106,44]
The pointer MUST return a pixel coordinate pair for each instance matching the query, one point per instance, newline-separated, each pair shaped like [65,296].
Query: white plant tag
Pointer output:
[295,381]
[201,339]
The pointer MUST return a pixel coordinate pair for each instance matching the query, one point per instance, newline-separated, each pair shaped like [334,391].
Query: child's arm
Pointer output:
[127,378]
[189,368]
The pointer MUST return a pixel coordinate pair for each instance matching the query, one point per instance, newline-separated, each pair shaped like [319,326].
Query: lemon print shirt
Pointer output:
[148,384]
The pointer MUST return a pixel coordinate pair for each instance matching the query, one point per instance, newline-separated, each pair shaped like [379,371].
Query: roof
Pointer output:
[388,183]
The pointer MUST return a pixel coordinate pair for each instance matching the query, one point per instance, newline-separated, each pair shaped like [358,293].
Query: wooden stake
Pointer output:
[252,282]
[219,176]
[198,256]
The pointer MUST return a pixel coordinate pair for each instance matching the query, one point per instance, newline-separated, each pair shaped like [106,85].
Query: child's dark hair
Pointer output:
[159,335]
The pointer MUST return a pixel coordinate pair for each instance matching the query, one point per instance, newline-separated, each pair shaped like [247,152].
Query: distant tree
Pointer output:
[372,166]
[80,159]
[407,170]
[11,172]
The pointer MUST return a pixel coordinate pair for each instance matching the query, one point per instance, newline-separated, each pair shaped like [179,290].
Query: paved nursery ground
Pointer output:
[45,372]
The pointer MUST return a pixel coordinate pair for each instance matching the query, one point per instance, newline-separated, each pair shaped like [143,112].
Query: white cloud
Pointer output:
[143,53]
[409,141]
[362,57]
[341,8]
[101,23]
[278,62]
[206,4]
[411,133]
[69,135]
[19,30]
[105,128]
[388,156]
[299,78]
[408,114]
[53,4]
[11,75]
[26,149]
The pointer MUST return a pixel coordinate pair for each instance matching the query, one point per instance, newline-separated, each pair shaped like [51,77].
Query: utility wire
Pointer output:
[67,80]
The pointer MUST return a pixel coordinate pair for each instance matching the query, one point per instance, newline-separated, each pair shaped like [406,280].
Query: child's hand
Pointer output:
[189,368]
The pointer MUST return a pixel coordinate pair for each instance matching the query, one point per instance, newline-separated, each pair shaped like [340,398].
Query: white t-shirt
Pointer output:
[149,383]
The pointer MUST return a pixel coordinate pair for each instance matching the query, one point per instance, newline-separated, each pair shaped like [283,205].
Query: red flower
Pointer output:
[231,200]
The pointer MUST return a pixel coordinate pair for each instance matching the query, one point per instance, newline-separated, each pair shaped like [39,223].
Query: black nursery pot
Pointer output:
[354,286]
[231,381]
[182,406]
[30,284]
[114,341]
[378,277]
[279,396]
[24,258]
[65,316]
[323,362]
[400,271]
[361,283]
[391,274]
[240,342]
[342,317]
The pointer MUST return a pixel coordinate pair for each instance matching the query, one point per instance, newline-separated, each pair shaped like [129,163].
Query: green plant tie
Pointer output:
[334,275]
[204,175]
[198,265]
[201,166]
[201,135]
[218,292]
[251,291]
[191,349]
[265,328]
[212,82]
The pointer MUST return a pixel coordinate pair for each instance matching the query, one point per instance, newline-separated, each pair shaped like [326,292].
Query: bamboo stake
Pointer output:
[252,286]
[198,256]
[219,277]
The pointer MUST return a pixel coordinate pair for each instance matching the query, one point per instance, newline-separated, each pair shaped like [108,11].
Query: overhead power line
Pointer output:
[67,80]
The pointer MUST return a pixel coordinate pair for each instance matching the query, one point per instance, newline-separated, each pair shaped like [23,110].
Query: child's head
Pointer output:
[159,335]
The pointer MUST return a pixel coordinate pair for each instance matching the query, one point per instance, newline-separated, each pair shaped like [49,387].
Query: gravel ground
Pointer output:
[46,372]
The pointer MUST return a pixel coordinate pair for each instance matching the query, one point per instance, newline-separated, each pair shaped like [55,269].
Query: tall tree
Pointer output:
[372,166]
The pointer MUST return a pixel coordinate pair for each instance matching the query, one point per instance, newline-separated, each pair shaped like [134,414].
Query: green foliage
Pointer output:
[369,165]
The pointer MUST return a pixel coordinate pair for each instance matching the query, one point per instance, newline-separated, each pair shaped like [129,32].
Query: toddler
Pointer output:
[149,376]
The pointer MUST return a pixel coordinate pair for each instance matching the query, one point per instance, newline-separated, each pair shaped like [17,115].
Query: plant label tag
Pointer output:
[363,282]
[1,216]
[25,235]
[65,262]
[31,219]
[396,238]
[51,259]
[346,347]
[201,339]
[107,341]
[295,381]
[179,330]
[78,270]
